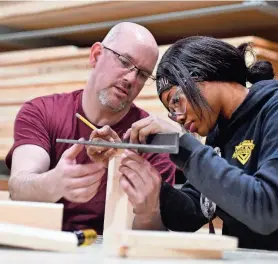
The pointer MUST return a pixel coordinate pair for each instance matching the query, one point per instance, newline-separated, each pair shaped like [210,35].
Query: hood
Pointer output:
[259,95]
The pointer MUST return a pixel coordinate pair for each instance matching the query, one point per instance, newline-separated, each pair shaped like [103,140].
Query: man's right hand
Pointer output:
[102,154]
[77,182]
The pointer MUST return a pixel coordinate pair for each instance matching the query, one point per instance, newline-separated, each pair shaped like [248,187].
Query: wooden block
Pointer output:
[118,210]
[37,238]
[33,214]
[135,243]
[4,195]
[159,252]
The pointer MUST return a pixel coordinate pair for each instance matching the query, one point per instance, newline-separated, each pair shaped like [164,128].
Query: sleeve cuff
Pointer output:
[188,145]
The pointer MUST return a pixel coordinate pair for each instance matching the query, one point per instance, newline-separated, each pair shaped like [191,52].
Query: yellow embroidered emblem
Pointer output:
[243,151]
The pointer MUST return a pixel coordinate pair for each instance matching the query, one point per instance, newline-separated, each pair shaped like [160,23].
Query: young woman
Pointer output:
[202,83]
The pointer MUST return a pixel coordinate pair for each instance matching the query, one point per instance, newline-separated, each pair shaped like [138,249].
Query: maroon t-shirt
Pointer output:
[42,120]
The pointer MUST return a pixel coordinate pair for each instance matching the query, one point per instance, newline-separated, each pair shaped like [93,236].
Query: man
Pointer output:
[46,171]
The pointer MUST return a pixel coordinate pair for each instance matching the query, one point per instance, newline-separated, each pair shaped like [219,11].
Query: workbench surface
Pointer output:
[94,255]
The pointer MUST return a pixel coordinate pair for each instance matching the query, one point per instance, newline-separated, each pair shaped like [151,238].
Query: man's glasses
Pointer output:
[143,76]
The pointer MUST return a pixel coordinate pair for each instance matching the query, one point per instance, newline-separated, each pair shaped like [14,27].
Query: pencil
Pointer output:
[85,121]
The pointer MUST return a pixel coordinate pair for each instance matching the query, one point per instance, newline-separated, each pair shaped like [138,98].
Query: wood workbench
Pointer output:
[94,255]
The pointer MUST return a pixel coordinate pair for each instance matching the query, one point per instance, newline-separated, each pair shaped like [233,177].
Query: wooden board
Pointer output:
[37,238]
[47,67]
[163,244]
[4,195]
[52,14]
[118,210]
[41,55]
[16,92]
[46,79]
[33,214]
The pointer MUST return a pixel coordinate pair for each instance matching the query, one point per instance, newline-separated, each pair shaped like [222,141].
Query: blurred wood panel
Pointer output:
[215,21]
[67,13]
[42,55]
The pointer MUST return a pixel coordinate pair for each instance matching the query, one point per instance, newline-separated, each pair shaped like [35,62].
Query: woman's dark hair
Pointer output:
[199,58]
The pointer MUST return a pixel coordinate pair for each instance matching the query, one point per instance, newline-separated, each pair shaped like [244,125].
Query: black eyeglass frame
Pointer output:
[149,76]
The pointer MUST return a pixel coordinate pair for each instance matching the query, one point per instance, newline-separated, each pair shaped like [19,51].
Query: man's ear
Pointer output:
[95,52]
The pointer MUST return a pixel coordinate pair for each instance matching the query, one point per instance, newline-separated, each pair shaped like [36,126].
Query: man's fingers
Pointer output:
[93,150]
[83,195]
[72,152]
[101,153]
[131,154]
[79,170]
[109,153]
[94,134]
[108,131]
[85,181]
[97,157]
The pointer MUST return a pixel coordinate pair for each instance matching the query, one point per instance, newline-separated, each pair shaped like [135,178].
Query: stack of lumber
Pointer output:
[215,18]
[28,74]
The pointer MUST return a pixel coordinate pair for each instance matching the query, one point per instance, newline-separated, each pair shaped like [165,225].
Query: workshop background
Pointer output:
[44,45]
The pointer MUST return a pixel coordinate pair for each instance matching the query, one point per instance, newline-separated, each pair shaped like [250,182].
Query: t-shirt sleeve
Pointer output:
[164,165]
[30,127]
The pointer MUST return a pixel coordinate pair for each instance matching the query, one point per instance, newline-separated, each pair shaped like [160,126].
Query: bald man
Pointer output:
[45,171]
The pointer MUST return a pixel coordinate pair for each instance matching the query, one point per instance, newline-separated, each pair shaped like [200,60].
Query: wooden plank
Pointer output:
[166,253]
[42,54]
[118,214]
[4,195]
[33,214]
[37,238]
[19,95]
[47,79]
[136,243]
[220,25]
[50,15]
[47,67]
[118,210]
[18,91]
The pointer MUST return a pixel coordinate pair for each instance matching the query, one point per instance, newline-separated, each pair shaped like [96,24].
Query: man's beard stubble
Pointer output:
[104,99]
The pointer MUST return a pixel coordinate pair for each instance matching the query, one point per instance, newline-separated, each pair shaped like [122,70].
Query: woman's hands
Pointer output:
[147,126]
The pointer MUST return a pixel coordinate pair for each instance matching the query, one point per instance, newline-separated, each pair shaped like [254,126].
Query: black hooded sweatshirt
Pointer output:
[243,182]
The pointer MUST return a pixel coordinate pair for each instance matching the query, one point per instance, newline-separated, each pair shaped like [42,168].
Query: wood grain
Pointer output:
[37,238]
[33,214]
[118,210]
[173,244]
